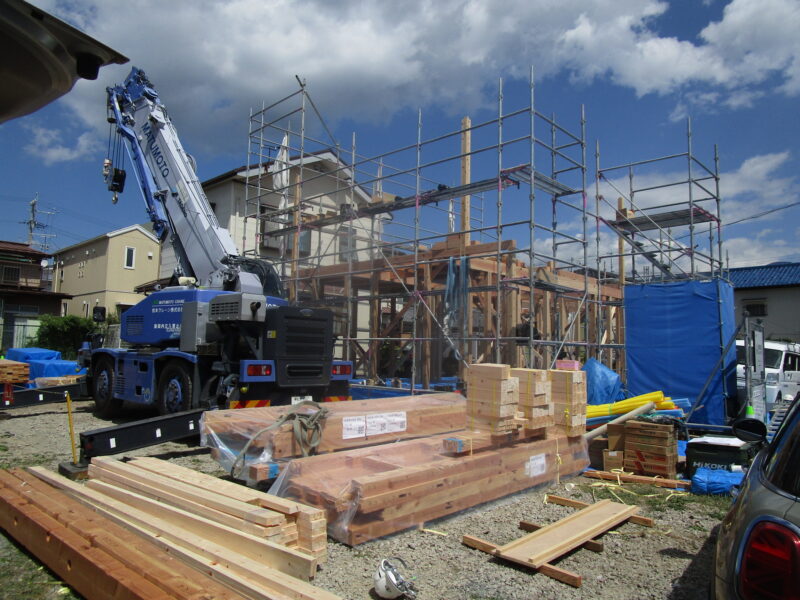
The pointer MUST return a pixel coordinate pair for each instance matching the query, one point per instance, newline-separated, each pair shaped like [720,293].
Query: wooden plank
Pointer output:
[237,508]
[226,488]
[639,520]
[479,544]
[53,526]
[591,545]
[147,512]
[489,371]
[542,546]
[98,472]
[658,481]
[561,575]
[255,577]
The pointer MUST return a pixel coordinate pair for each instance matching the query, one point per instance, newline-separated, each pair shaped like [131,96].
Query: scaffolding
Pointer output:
[663,204]
[460,246]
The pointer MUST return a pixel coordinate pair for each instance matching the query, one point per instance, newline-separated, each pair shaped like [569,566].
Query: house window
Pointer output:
[304,242]
[11,275]
[64,309]
[130,257]
[347,242]
[756,308]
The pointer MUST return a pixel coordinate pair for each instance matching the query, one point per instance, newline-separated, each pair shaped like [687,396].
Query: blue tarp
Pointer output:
[53,368]
[29,354]
[603,385]
[715,481]
[674,334]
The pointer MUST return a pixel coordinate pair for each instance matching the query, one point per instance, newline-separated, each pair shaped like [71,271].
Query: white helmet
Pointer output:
[389,583]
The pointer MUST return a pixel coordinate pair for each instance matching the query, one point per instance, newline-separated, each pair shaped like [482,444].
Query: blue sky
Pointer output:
[639,67]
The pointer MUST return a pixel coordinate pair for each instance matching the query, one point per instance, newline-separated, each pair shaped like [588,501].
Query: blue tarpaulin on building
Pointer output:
[675,333]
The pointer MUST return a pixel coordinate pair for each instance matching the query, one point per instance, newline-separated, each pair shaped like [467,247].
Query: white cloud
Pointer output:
[213,60]
[47,145]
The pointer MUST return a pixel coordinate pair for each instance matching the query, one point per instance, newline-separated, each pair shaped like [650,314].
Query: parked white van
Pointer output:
[782,369]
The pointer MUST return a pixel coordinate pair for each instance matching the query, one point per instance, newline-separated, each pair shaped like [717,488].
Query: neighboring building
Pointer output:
[772,294]
[323,194]
[104,270]
[24,294]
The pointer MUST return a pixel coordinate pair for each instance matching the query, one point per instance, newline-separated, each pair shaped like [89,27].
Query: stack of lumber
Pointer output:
[12,371]
[492,399]
[347,425]
[535,400]
[108,542]
[651,449]
[568,394]
[371,492]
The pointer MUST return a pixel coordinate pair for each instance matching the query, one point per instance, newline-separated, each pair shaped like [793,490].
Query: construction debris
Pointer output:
[544,544]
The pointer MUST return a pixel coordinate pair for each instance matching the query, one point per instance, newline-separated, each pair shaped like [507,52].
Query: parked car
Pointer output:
[781,368]
[757,554]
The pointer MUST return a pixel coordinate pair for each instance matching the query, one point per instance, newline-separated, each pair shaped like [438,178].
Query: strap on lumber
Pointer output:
[307,430]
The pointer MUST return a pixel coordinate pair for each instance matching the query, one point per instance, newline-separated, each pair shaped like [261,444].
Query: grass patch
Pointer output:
[661,499]
[23,578]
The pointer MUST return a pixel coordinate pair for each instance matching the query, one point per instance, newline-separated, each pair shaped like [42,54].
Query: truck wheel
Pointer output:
[174,389]
[105,404]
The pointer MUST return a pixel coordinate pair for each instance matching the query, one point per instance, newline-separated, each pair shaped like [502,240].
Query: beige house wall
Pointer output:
[95,273]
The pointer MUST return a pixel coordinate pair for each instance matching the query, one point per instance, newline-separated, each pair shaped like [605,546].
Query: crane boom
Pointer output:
[173,196]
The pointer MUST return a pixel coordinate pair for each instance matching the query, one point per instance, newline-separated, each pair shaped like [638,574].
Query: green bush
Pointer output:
[65,334]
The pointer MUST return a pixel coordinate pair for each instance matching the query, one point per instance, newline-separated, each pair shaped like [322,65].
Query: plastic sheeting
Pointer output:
[257,433]
[715,481]
[674,336]
[602,384]
[371,492]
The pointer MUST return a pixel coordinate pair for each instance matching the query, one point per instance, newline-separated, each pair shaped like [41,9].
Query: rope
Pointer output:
[307,430]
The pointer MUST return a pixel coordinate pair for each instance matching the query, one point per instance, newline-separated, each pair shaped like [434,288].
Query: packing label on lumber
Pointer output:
[368,425]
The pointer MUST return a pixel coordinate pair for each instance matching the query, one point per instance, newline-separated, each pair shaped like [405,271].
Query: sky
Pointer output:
[639,68]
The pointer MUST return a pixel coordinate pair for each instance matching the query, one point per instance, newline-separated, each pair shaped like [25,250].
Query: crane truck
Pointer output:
[222,334]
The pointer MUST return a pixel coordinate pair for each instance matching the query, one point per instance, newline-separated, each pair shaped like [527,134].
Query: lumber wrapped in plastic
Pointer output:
[269,436]
[372,492]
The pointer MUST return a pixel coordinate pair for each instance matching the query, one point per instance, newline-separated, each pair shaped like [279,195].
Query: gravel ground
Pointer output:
[670,560]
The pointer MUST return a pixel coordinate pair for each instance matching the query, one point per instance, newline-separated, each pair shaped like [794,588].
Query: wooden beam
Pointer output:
[591,545]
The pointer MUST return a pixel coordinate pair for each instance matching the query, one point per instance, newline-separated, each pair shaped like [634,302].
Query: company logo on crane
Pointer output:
[155,151]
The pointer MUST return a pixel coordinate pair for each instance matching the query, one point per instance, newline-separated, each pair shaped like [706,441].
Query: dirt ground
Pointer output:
[671,560]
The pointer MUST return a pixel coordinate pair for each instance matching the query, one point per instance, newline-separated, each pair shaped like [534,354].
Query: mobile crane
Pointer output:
[224,336]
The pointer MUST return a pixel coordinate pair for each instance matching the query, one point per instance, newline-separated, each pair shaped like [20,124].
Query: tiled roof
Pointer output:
[21,249]
[773,275]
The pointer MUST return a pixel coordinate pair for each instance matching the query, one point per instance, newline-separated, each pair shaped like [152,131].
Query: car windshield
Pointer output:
[784,456]
[772,357]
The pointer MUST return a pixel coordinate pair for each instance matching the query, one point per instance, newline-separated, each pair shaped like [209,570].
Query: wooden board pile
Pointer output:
[347,425]
[535,397]
[492,399]
[568,395]
[12,371]
[375,491]
[131,532]
[651,449]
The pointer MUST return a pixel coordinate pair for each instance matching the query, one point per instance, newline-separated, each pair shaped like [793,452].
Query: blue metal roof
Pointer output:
[772,275]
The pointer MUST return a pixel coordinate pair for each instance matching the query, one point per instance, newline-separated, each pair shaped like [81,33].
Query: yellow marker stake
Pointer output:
[71,429]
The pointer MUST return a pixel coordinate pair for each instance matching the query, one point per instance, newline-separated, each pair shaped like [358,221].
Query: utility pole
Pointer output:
[34,224]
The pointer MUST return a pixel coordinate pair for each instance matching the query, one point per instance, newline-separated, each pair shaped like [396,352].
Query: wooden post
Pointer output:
[466,177]
[298,190]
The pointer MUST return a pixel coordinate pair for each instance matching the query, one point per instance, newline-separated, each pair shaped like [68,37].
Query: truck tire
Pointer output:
[106,406]
[174,393]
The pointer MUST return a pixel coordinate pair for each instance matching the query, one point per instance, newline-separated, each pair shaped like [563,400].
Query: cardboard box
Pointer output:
[616,436]
[613,459]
